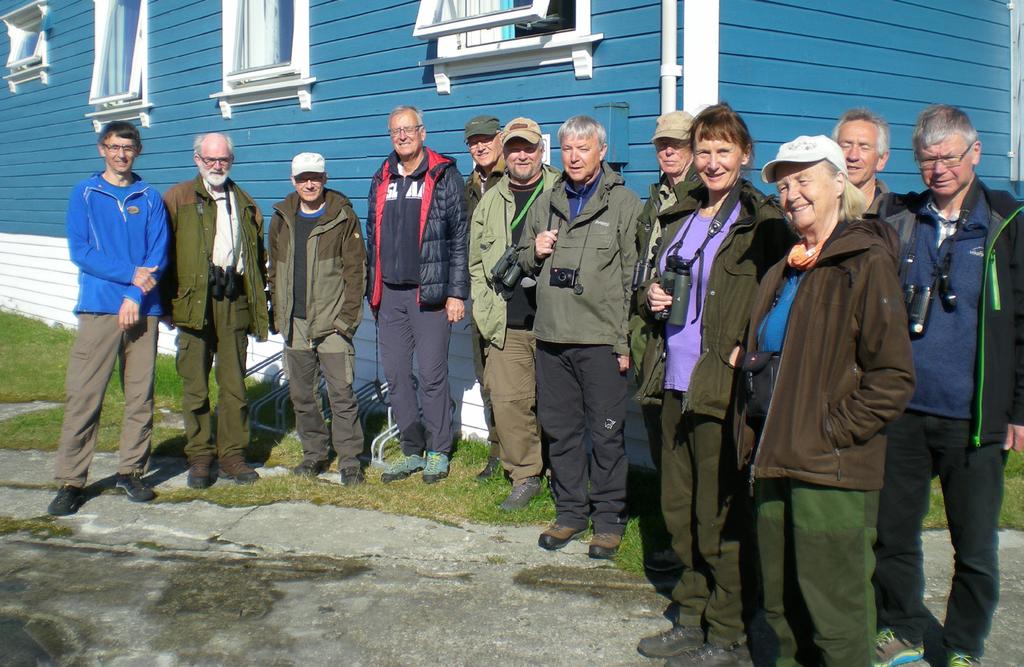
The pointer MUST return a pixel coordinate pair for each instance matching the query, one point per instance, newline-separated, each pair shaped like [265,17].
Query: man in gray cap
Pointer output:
[484,143]
[505,305]
[317,312]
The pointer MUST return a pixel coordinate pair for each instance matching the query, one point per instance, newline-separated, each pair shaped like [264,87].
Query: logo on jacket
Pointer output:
[134,210]
[978,252]
[609,424]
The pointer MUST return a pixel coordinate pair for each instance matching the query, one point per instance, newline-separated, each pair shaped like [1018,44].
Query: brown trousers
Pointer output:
[511,379]
[99,343]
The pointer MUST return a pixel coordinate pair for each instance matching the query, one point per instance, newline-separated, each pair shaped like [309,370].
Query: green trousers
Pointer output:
[224,338]
[707,512]
[815,545]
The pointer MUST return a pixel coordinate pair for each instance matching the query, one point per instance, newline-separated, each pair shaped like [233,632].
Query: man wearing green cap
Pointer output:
[484,144]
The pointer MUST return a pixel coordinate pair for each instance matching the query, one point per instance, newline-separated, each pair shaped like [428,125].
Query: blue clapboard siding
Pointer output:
[791,67]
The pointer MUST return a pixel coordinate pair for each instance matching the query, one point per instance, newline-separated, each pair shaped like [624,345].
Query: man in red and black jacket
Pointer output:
[417,284]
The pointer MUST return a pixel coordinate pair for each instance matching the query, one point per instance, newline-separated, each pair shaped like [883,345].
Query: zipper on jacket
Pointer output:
[988,283]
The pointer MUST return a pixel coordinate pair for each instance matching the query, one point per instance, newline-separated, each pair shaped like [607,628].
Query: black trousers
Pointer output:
[581,396]
[920,448]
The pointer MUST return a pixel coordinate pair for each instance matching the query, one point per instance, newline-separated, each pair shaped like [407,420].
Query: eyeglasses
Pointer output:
[950,162]
[127,149]
[210,161]
[412,129]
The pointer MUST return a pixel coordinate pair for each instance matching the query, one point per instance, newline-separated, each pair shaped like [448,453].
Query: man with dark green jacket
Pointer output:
[505,306]
[580,243]
[317,278]
[215,288]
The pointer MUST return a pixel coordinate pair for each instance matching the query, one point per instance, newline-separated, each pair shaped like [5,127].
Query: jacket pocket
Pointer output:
[182,305]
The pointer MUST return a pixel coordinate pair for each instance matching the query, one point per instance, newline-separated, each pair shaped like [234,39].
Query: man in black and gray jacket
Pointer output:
[963,278]
[418,283]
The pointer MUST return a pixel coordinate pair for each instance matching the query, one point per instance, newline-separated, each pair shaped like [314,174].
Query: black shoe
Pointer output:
[67,501]
[521,494]
[663,560]
[310,468]
[493,466]
[557,536]
[352,476]
[673,641]
[733,655]
[134,487]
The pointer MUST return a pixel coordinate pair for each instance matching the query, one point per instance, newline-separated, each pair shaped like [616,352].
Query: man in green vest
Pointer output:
[214,287]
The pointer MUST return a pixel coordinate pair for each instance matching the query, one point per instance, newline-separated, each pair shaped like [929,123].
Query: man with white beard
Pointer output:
[214,291]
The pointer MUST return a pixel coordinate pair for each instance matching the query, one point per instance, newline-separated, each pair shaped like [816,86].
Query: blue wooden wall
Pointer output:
[789,66]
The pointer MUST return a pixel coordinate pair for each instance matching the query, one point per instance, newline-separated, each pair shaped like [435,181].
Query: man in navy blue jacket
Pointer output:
[117,236]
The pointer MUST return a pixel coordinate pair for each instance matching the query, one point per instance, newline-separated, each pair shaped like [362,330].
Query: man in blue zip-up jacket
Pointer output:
[117,237]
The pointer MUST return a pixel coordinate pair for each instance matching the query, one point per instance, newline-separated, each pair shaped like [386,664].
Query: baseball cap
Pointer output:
[805,150]
[308,163]
[486,125]
[673,125]
[524,128]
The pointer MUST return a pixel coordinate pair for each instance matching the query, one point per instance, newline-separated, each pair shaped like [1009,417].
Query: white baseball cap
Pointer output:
[805,150]
[308,163]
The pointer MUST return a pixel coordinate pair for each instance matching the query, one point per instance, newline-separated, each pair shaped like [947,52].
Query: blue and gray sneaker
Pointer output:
[402,468]
[891,650]
[958,659]
[437,467]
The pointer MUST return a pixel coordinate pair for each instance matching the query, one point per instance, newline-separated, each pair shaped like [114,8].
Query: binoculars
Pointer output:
[676,281]
[507,273]
[224,283]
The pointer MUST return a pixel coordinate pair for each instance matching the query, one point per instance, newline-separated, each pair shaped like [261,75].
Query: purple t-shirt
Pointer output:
[682,344]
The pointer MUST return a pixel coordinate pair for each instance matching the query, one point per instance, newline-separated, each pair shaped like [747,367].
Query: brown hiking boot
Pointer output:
[199,472]
[235,468]
[557,536]
[604,545]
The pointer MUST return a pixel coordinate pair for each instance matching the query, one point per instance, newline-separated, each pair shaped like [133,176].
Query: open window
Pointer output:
[265,52]
[485,36]
[26,30]
[119,73]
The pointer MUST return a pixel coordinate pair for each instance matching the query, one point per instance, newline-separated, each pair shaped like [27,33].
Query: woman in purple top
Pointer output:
[725,245]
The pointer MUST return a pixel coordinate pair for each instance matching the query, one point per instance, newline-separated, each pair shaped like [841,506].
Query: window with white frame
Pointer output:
[265,52]
[119,67]
[26,31]
[479,36]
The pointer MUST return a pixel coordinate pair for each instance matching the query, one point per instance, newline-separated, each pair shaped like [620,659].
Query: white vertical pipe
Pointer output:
[670,69]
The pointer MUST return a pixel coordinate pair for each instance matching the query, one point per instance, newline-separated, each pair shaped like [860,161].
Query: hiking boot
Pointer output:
[958,659]
[672,642]
[733,655]
[557,536]
[604,545]
[199,472]
[402,468]
[521,494]
[437,467]
[309,468]
[235,468]
[891,650]
[134,487]
[66,502]
[493,466]
[352,476]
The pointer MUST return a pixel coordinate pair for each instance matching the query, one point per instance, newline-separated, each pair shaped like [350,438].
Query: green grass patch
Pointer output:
[43,526]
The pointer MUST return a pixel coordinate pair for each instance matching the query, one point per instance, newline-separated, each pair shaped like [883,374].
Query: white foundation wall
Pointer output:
[37,279]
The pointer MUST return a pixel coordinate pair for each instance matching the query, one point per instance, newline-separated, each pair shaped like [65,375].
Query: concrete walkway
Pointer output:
[300,584]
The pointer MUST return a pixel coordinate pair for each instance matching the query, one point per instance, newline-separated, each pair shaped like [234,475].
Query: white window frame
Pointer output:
[429,24]
[1016,92]
[22,22]
[134,102]
[274,82]
[455,57]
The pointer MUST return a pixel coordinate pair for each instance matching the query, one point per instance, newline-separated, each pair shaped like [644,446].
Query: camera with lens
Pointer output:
[676,281]
[563,278]
[224,283]
[506,273]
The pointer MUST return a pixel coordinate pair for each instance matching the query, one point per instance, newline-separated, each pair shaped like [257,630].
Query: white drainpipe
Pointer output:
[670,69]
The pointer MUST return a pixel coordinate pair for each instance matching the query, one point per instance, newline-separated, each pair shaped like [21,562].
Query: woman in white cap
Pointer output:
[828,364]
